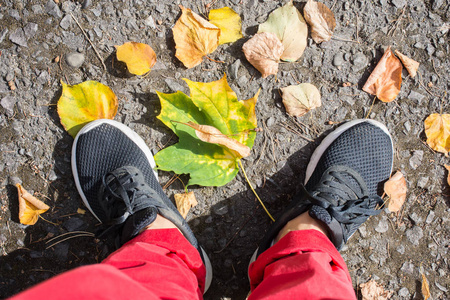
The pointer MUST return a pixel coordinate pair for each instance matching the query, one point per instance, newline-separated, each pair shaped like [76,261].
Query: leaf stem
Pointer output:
[254,192]
[47,221]
[217,61]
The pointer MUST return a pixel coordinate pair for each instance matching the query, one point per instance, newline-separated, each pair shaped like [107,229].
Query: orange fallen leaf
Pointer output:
[410,64]
[194,38]
[211,134]
[320,19]
[371,290]
[185,202]
[448,175]
[437,130]
[425,288]
[29,207]
[396,189]
[140,58]
[263,51]
[386,78]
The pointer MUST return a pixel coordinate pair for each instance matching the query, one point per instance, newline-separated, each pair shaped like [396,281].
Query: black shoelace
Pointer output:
[336,187]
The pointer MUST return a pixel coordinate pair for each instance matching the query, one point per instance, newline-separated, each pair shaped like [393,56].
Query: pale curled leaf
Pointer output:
[410,64]
[300,99]
[29,207]
[386,78]
[185,202]
[289,26]
[396,189]
[320,19]
[371,290]
[263,51]
[211,134]
[437,130]
[194,38]
[140,58]
[229,23]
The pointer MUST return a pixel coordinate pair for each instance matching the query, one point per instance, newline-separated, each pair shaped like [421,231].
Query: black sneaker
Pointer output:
[113,171]
[344,179]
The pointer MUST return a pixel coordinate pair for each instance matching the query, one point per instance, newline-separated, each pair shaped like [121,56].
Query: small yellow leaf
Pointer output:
[81,211]
[185,202]
[437,130]
[29,207]
[85,102]
[140,58]
[386,79]
[371,290]
[425,288]
[396,189]
[194,38]
[229,23]
[299,99]
[263,51]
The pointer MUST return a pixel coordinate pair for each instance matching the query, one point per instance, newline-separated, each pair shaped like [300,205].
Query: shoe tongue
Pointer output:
[334,228]
[136,222]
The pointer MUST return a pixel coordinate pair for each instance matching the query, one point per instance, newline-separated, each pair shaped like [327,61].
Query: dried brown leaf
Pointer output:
[185,202]
[410,64]
[425,288]
[371,290]
[211,134]
[386,79]
[396,189]
[448,175]
[320,19]
[29,207]
[263,51]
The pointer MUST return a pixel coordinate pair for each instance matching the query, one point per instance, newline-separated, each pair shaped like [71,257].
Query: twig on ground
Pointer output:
[434,67]
[217,61]
[373,102]
[397,22]
[421,83]
[344,40]
[92,44]
[296,132]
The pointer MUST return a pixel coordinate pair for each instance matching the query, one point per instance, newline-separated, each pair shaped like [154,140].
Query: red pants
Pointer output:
[162,264]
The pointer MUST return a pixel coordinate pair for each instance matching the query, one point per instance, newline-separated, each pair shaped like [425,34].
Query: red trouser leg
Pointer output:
[302,265]
[157,264]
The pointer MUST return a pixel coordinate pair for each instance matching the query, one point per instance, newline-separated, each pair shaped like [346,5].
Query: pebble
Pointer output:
[174,85]
[399,3]
[430,217]
[363,231]
[407,126]
[242,81]
[61,251]
[401,249]
[382,226]
[3,34]
[270,121]
[75,59]
[13,180]
[150,22]
[66,22]
[415,218]
[407,267]
[30,30]
[234,68]
[68,6]
[73,224]
[414,235]
[338,59]
[8,103]
[360,61]
[52,9]
[404,292]
[18,37]
[437,4]
[422,182]
[416,159]
[222,210]
[14,14]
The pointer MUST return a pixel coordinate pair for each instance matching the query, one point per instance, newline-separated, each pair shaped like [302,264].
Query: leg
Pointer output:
[160,256]
[299,255]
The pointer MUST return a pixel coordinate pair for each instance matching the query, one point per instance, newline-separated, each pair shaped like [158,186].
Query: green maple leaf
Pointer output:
[214,104]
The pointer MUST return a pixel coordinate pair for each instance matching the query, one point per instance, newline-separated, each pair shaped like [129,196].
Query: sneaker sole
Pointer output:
[128,132]
[329,139]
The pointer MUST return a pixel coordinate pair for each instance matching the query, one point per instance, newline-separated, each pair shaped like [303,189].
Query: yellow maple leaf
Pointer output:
[140,58]
[29,207]
[194,38]
[437,130]
[185,202]
[229,23]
